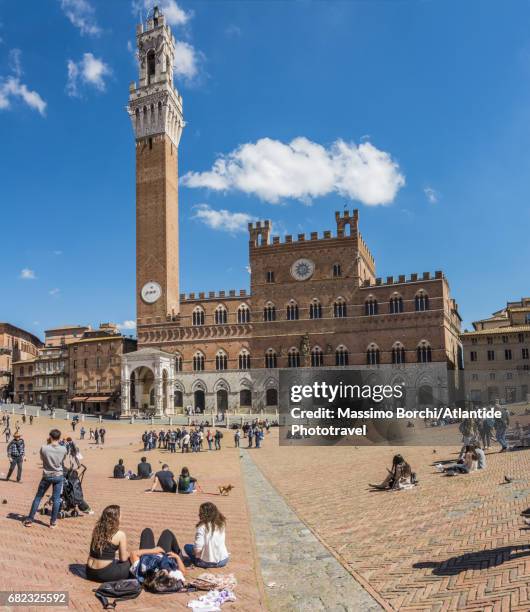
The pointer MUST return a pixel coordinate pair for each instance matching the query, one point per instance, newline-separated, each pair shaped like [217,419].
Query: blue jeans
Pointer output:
[44,485]
[190,489]
[501,437]
[188,549]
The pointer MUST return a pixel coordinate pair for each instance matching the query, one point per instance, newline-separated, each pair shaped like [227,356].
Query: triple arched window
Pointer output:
[342,356]
[398,354]
[421,301]
[396,304]
[244,360]
[198,316]
[221,361]
[293,358]
[198,362]
[221,315]
[424,352]
[269,312]
[370,306]
[317,357]
[339,308]
[271,360]
[292,311]
[243,314]
[315,309]
[373,355]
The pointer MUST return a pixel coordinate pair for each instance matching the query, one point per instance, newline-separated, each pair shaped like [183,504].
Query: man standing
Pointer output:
[237,437]
[7,432]
[102,433]
[218,436]
[501,425]
[52,456]
[15,452]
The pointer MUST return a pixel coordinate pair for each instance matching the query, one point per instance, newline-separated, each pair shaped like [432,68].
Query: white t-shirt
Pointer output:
[211,544]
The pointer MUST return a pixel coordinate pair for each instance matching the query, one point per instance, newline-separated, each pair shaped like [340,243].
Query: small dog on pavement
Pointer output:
[225,489]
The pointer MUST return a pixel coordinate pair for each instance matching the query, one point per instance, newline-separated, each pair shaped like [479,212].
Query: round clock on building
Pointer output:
[151,292]
[302,269]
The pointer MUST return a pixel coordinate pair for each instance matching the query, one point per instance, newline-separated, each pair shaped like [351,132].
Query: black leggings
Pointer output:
[117,570]
[167,540]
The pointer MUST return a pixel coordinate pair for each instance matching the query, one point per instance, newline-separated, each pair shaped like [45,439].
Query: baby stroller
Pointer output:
[72,499]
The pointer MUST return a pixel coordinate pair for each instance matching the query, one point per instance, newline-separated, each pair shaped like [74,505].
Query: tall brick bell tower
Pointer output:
[155,108]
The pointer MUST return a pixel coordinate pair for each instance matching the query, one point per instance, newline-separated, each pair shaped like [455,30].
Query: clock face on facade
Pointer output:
[151,292]
[302,269]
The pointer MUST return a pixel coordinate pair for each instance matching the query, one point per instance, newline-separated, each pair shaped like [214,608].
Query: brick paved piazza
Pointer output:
[449,544]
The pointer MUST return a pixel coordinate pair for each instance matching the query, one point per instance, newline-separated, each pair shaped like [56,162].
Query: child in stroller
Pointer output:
[72,500]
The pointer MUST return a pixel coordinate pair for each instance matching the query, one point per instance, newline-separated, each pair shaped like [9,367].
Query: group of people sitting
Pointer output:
[471,458]
[164,478]
[163,564]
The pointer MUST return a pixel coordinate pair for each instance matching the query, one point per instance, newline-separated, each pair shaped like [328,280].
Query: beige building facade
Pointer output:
[16,345]
[497,356]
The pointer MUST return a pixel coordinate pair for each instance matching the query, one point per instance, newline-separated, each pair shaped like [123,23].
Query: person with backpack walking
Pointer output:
[15,451]
[237,438]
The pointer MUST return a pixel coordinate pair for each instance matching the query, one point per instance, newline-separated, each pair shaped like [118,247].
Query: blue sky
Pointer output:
[430,100]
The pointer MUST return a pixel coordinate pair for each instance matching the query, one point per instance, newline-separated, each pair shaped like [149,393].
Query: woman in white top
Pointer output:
[209,549]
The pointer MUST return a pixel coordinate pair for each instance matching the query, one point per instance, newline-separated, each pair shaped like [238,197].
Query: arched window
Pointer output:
[221,315]
[243,314]
[151,65]
[315,309]
[342,356]
[337,270]
[339,308]
[271,397]
[269,312]
[293,358]
[370,306]
[317,357]
[244,360]
[198,362]
[373,355]
[221,361]
[178,399]
[292,311]
[396,304]
[271,360]
[424,352]
[178,362]
[198,316]
[421,301]
[245,397]
[398,353]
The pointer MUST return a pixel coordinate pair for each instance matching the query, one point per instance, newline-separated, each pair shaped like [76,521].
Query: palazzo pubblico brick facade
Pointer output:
[314,300]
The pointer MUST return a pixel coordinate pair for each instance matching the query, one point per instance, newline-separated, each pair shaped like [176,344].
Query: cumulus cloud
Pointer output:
[81,14]
[223,220]
[186,62]
[27,274]
[88,71]
[128,324]
[12,88]
[175,14]
[432,195]
[304,170]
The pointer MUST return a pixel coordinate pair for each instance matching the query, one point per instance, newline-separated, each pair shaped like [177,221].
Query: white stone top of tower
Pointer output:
[155,105]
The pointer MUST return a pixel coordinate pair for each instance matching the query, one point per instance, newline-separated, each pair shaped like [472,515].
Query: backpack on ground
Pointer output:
[119,590]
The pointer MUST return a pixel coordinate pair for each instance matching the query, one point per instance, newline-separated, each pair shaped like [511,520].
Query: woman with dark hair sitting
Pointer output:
[186,483]
[400,475]
[107,540]
[159,568]
[209,549]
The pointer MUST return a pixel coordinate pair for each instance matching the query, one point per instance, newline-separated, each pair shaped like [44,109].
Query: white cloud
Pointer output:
[57,252]
[233,31]
[303,170]
[89,70]
[11,87]
[128,324]
[175,15]
[27,274]
[186,62]
[222,220]
[432,195]
[54,291]
[82,15]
